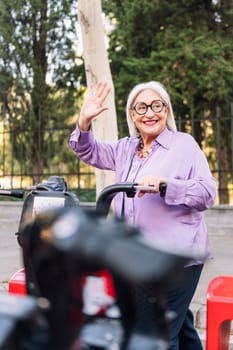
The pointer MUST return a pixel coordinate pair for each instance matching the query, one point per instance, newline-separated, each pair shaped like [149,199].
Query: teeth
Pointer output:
[151,122]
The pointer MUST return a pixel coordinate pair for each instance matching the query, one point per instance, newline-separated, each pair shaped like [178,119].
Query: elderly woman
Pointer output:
[155,153]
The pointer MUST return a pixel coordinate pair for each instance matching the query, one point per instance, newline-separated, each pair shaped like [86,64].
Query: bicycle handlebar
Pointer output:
[12,193]
[108,193]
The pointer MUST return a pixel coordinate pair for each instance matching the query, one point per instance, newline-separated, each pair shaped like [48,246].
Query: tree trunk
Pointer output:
[40,90]
[223,162]
[97,68]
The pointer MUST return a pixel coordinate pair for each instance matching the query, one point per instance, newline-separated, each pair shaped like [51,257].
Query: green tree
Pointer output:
[38,72]
[185,44]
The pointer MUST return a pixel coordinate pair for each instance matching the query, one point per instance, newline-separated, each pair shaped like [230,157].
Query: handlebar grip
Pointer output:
[162,189]
[12,193]
[17,193]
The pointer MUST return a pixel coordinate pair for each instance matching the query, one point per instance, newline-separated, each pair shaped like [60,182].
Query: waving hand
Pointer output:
[93,104]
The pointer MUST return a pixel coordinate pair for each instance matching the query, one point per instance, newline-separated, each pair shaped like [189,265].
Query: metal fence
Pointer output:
[212,132]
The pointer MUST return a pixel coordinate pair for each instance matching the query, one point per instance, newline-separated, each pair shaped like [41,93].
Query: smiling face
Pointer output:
[149,124]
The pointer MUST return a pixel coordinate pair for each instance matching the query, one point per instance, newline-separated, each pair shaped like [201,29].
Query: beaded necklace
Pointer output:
[141,152]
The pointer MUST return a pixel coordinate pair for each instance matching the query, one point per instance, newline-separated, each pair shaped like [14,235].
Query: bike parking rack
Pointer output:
[219,313]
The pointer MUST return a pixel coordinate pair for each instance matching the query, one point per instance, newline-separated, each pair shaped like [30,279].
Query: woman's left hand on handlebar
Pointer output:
[151,181]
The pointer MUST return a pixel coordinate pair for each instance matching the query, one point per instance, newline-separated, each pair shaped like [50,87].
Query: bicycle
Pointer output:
[90,245]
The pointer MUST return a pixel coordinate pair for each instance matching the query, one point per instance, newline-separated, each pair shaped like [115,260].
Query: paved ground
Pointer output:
[222,248]
[219,222]
[220,226]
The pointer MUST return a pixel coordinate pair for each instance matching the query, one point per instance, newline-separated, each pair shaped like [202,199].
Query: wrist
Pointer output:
[84,125]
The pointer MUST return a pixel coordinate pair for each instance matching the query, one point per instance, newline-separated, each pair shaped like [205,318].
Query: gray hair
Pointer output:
[162,92]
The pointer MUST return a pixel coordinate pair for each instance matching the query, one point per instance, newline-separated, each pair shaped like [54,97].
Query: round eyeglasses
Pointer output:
[156,106]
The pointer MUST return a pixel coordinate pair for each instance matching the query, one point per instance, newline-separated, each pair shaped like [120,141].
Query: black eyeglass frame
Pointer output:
[163,104]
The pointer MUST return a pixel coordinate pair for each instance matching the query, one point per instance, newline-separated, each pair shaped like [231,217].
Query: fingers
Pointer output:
[142,192]
[150,181]
[100,90]
[96,97]
[93,104]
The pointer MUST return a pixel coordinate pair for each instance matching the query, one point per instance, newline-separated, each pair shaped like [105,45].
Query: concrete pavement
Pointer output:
[220,224]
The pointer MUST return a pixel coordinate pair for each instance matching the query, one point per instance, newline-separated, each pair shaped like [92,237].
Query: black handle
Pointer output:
[12,193]
[108,193]
[162,189]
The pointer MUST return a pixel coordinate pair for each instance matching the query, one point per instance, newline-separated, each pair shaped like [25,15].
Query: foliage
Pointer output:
[38,72]
[187,45]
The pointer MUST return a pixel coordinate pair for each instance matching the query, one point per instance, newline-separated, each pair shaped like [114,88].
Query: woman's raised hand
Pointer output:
[93,104]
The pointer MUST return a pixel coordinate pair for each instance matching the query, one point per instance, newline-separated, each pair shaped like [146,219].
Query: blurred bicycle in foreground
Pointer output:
[63,246]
